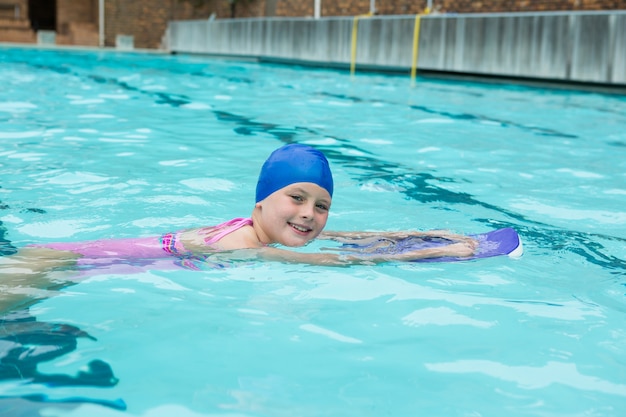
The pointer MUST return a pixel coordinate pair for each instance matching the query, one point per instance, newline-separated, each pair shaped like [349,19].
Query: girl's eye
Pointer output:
[322,207]
[297,198]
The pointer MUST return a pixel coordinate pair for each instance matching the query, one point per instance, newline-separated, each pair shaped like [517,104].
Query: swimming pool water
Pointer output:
[100,144]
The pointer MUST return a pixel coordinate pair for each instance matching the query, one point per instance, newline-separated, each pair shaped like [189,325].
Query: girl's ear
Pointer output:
[258,205]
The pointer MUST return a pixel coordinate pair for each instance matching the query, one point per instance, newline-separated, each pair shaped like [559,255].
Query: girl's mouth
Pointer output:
[300,229]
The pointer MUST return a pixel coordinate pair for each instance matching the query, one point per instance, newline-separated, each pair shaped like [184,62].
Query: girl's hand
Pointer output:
[461,249]
[456,250]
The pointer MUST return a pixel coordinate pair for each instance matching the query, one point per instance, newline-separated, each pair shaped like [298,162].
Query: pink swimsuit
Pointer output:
[137,249]
[172,245]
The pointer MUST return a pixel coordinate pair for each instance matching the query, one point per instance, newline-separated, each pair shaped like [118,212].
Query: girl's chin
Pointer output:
[296,242]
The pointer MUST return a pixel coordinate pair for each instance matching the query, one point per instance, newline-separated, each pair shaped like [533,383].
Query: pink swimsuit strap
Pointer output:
[226,228]
[172,245]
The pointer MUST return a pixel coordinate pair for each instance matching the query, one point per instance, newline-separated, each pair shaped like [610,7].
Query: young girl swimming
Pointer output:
[293,198]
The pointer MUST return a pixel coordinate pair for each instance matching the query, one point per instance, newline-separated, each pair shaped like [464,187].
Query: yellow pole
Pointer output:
[355,25]
[355,30]
[416,41]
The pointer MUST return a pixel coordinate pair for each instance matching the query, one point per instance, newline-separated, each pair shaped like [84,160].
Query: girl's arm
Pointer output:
[351,237]
[460,249]
[338,235]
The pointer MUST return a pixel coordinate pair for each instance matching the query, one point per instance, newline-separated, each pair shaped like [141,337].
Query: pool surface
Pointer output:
[107,145]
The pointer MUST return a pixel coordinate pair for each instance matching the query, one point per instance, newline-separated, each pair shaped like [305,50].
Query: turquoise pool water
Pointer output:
[97,145]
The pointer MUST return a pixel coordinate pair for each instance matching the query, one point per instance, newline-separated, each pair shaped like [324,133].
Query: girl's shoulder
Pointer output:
[209,236]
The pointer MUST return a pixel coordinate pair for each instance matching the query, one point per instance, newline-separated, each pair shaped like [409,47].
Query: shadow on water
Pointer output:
[463,116]
[25,343]
[6,247]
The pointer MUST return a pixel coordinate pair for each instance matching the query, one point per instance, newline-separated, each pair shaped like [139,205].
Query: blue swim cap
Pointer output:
[290,164]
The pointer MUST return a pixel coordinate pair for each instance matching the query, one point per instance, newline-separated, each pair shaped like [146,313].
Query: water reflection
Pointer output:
[26,343]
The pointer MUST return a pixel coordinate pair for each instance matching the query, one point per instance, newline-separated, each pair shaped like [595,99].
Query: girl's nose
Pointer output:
[307,211]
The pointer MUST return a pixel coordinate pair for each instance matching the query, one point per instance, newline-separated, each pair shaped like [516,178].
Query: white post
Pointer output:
[429,6]
[101,23]
[372,6]
[317,9]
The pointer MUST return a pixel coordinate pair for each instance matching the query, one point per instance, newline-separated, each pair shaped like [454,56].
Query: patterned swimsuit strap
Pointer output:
[172,245]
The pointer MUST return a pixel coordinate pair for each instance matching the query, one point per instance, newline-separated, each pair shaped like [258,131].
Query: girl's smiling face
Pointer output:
[294,215]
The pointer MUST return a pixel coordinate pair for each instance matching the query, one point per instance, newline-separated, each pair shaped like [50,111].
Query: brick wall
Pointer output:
[146,20]
[203,9]
[14,23]
[298,7]
[141,19]
[199,9]
[81,11]
[290,8]
[467,6]
[7,9]
[77,22]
